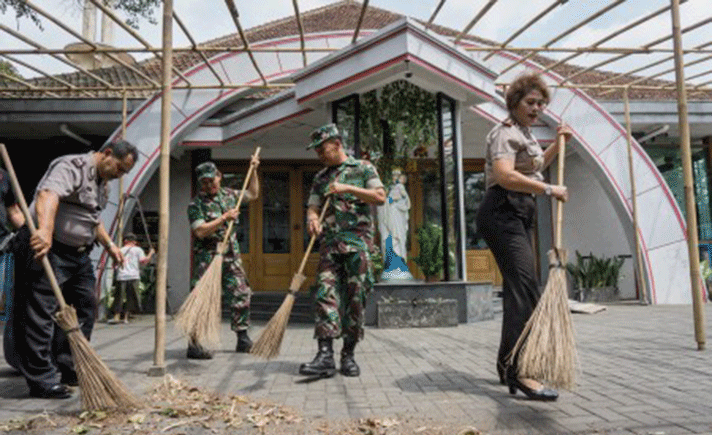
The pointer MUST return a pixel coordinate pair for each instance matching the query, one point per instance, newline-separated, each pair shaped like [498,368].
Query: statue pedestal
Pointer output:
[474,299]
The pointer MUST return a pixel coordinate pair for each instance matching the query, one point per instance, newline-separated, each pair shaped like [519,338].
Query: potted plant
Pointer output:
[430,253]
[377,261]
[596,278]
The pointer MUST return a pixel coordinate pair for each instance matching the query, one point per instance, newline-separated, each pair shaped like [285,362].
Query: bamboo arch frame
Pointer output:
[13,87]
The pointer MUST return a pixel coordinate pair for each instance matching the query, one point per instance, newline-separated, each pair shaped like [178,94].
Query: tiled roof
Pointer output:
[338,16]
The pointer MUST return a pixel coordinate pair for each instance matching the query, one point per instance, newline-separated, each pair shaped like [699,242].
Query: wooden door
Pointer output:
[272,230]
[480,261]
[273,254]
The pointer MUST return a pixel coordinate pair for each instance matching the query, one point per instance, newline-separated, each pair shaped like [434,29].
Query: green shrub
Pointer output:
[593,272]
[430,254]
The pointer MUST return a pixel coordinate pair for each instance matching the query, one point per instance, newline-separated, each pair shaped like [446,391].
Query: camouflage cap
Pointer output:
[206,170]
[322,134]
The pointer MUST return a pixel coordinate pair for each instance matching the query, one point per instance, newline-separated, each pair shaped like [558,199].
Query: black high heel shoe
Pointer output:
[542,394]
[502,372]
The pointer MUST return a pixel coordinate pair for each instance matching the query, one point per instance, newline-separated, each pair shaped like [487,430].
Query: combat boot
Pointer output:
[196,351]
[348,363]
[323,363]
[244,344]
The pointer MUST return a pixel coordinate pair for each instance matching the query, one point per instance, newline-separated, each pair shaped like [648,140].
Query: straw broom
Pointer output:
[546,347]
[199,316]
[100,388]
[268,344]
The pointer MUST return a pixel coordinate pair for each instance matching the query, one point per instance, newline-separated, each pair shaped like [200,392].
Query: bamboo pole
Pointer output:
[47,75]
[241,49]
[245,41]
[187,34]
[31,42]
[598,65]
[531,22]
[300,27]
[159,353]
[59,23]
[122,194]
[475,20]
[109,13]
[702,87]
[610,36]
[567,32]
[690,209]
[434,14]
[30,86]
[634,200]
[364,6]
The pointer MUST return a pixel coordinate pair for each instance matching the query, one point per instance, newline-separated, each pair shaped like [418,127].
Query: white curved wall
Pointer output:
[599,140]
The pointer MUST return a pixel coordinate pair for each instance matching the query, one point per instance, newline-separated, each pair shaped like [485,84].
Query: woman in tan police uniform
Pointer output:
[513,166]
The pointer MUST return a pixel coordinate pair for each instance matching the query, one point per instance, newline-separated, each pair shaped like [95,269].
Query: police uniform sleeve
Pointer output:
[63,177]
[502,144]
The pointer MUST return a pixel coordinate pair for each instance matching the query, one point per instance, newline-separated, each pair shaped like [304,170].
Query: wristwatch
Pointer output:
[547,190]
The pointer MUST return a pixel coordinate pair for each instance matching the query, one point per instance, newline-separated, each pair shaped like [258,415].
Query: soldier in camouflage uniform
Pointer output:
[209,214]
[345,272]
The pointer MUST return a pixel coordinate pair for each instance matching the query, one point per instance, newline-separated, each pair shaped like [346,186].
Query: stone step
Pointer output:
[264,305]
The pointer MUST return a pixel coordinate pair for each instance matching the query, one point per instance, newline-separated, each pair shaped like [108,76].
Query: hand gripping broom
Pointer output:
[199,316]
[100,388]
[268,344]
[546,347]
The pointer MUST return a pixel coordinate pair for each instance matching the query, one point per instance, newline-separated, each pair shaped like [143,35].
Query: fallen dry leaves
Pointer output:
[177,408]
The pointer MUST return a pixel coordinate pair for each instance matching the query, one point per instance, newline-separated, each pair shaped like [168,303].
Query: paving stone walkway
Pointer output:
[641,373]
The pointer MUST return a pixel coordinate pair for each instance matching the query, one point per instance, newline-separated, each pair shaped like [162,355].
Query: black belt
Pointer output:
[71,249]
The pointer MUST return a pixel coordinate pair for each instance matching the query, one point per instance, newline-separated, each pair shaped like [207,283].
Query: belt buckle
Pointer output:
[82,248]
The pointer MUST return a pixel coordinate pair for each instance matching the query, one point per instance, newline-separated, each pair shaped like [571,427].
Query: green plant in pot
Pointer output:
[596,278]
[377,262]
[430,254]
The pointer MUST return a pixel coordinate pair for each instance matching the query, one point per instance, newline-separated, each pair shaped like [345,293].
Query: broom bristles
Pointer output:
[199,316]
[546,348]
[100,388]
[268,344]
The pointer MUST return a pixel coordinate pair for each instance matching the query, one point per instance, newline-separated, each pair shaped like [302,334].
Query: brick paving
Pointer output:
[641,373]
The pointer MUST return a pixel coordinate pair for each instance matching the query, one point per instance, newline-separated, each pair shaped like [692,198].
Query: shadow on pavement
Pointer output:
[448,380]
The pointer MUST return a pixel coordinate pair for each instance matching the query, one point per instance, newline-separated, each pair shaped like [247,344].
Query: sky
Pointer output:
[209,19]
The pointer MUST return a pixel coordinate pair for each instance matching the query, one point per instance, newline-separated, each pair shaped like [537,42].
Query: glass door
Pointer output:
[275,244]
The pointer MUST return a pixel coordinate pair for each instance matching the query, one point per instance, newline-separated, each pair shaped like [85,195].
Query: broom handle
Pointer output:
[313,237]
[250,170]
[31,224]
[561,139]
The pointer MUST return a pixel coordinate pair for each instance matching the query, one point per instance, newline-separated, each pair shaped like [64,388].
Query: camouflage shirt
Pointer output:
[204,208]
[348,223]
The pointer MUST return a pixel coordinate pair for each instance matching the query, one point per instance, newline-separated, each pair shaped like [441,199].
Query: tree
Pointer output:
[135,9]
[8,69]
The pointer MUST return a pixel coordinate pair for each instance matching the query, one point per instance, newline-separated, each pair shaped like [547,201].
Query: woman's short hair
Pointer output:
[521,86]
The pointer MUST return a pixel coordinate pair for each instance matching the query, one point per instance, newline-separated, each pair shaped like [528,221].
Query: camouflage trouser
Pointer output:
[343,282]
[234,282]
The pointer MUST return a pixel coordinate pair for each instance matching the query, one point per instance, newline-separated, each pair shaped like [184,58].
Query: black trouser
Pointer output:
[41,346]
[505,220]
